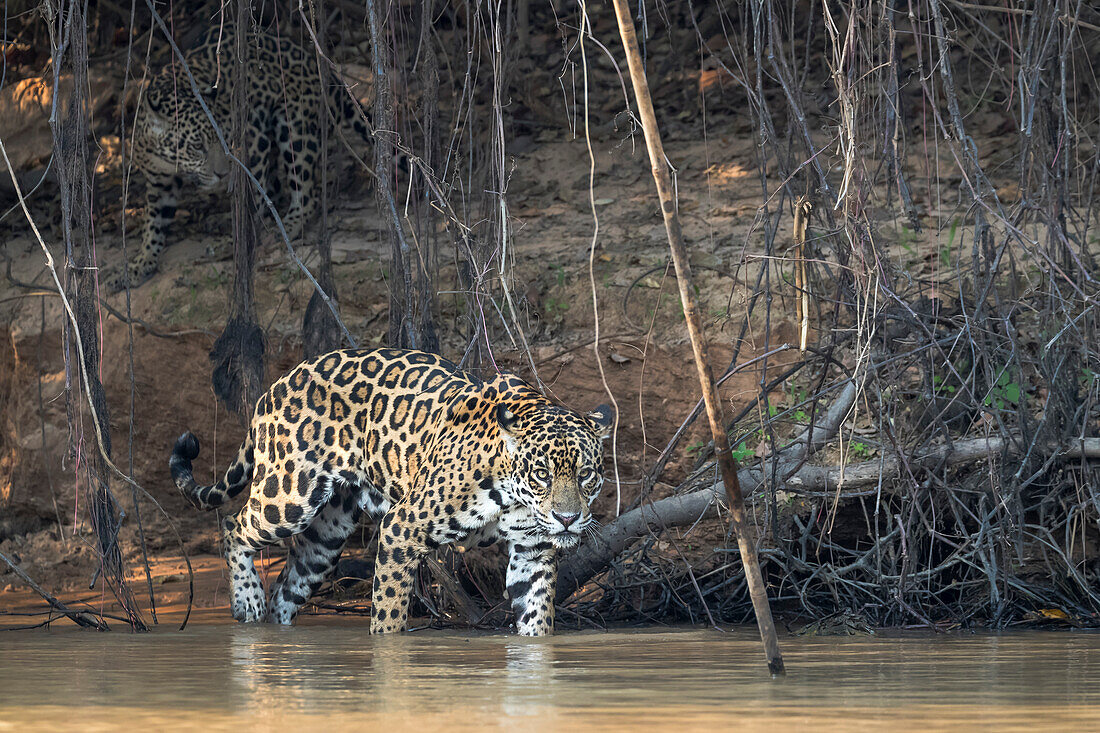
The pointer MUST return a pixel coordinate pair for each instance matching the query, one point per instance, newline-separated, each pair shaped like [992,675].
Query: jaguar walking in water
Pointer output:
[431,452]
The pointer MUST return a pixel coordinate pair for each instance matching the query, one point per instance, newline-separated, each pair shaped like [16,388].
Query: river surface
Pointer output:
[339,678]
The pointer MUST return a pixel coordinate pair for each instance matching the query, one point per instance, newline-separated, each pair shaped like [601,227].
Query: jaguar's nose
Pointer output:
[565,519]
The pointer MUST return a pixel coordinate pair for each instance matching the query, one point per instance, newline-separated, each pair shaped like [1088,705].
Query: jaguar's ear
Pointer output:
[493,392]
[507,419]
[601,421]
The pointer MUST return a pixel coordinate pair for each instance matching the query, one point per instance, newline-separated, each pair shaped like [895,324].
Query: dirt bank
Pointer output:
[942,277]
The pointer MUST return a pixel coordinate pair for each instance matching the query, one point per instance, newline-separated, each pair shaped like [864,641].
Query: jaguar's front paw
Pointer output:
[272,237]
[117,282]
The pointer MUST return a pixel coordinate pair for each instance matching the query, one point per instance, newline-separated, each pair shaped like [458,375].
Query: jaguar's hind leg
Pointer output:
[401,545]
[239,546]
[282,505]
[260,159]
[297,145]
[315,553]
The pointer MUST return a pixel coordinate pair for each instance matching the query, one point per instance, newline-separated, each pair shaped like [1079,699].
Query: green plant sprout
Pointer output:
[940,387]
[1005,392]
[945,250]
[742,452]
[858,449]
[906,238]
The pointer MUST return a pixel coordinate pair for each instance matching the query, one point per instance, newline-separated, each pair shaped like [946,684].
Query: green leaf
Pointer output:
[741,453]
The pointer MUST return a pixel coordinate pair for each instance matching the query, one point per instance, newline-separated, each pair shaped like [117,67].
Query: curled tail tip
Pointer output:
[185,450]
[187,447]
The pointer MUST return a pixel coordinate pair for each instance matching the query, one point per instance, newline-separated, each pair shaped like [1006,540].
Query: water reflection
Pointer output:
[245,677]
[528,671]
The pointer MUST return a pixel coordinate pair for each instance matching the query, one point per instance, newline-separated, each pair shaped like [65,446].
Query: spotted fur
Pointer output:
[175,148]
[432,453]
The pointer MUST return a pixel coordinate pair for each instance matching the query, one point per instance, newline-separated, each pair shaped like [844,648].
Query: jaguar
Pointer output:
[432,453]
[175,148]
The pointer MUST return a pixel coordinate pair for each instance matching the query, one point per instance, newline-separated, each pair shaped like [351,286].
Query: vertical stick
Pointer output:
[71,132]
[403,333]
[745,539]
[238,354]
[801,283]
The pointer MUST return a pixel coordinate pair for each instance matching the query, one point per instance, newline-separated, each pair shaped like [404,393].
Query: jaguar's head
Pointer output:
[174,136]
[557,463]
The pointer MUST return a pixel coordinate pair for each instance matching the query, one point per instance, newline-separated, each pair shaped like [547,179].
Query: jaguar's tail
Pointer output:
[237,476]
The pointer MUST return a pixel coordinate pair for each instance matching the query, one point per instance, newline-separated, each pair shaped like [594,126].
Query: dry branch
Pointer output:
[238,355]
[746,537]
[80,618]
[471,609]
[593,557]
[596,554]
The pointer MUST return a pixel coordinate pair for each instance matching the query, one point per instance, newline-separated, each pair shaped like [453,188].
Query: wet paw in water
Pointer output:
[248,605]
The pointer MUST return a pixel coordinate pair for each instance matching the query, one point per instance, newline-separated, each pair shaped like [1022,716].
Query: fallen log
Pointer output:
[596,553]
[843,482]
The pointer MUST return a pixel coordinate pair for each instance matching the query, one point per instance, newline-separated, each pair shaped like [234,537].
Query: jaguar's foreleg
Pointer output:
[531,579]
[161,198]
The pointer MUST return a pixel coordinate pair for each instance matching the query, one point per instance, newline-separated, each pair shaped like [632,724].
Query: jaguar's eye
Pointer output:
[542,476]
[586,475]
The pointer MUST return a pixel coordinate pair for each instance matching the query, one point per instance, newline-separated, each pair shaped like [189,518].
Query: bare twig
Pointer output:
[80,618]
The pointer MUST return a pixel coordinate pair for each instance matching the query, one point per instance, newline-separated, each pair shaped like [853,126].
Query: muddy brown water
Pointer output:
[338,678]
